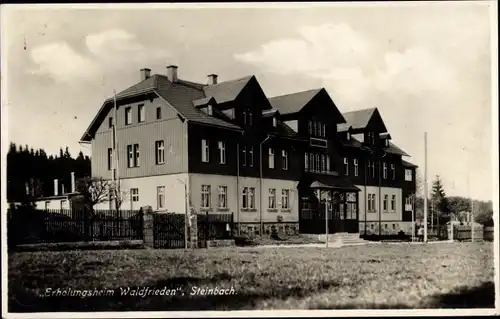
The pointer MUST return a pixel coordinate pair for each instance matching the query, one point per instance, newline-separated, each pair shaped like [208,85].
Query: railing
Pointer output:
[319,171]
[33,226]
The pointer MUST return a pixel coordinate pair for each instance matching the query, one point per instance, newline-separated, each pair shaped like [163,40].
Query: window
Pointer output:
[134,194]
[311,162]
[222,196]
[327,163]
[385,226]
[205,151]
[244,151]
[130,156]
[323,162]
[323,126]
[63,204]
[222,153]
[136,153]
[306,161]
[371,168]
[313,128]
[285,199]
[160,197]
[141,113]
[373,203]
[356,167]
[408,175]
[110,158]
[248,197]
[205,196]
[284,155]
[393,226]
[271,158]
[128,116]
[393,171]
[385,170]
[317,163]
[309,127]
[393,203]
[133,155]
[369,202]
[247,117]
[408,204]
[386,200]
[346,166]
[158,113]
[160,152]
[110,122]
[250,155]
[272,198]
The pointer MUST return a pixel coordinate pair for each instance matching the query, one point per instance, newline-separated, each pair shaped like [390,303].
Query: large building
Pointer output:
[284,161]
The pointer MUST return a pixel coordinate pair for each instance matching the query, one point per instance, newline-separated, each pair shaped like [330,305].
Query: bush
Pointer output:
[243,241]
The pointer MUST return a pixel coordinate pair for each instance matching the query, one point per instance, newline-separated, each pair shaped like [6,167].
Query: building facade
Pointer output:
[224,147]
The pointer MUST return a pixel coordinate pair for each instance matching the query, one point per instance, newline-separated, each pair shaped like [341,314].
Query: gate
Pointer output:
[168,230]
[214,226]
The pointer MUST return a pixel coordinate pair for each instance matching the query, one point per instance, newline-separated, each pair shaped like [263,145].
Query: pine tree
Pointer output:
[439,201]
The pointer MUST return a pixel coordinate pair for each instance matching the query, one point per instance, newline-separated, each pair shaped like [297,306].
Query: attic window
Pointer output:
[210,110]
[348,136]
[275,121]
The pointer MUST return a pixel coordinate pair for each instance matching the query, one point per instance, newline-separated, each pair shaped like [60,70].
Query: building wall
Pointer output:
[170,129]
[147,186]
[234,197]
[396,215]
[55,203]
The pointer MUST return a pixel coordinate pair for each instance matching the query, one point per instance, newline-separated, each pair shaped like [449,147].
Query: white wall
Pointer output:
[147,186]
[396,215]
[234,196]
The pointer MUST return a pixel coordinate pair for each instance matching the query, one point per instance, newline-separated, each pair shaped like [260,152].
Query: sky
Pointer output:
[425,66]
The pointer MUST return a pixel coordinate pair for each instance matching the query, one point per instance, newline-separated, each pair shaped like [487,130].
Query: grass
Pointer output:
[451,275]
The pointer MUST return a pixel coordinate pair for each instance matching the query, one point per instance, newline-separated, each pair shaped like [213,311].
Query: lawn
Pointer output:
[447,275]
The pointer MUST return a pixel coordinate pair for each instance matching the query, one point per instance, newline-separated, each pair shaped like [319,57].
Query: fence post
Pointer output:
[148,226]
[193,231]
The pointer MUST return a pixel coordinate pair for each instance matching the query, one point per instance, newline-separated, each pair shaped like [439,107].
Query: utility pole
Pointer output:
[472,220]
[425,188]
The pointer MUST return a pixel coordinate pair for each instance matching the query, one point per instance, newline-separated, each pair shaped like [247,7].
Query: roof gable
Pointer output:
[361,119]
[226,91]
[294,102]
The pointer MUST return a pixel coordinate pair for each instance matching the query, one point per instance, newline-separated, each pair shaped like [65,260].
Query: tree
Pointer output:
[457,204]
[439,202]
[94,190]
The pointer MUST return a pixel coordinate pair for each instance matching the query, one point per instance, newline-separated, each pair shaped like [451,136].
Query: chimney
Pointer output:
[172,73]
[73,182]
[212,79]
[145,73]
[56,187]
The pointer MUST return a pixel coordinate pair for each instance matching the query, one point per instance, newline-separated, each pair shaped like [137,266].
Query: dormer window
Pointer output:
[348,136]
[210,110]
[275,121]
[247,117]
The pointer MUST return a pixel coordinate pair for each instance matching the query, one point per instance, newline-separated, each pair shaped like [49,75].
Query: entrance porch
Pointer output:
[335,197]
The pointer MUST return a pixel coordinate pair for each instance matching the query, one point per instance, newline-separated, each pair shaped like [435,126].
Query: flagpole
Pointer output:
[116,177]
[425,188]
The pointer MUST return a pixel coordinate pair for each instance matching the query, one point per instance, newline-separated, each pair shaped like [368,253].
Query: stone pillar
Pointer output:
[193,230]
[148,225]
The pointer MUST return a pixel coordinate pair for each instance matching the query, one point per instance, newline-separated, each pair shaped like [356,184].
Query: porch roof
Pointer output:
[332,183]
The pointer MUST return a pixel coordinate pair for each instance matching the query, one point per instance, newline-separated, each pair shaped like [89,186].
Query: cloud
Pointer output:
[109,51]
[350,64]
[62,62]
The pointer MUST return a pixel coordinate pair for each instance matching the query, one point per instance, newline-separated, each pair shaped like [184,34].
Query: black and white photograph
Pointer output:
[298,159]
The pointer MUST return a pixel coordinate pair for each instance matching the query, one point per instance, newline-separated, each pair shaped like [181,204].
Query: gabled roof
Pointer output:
[343,127]
[384,136]
[294,102]
[203,101]
[226,91]
[408,164]
[270,113]
[359,119]
[393,149]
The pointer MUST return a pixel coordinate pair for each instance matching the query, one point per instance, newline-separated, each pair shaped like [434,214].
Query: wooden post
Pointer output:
[425,188]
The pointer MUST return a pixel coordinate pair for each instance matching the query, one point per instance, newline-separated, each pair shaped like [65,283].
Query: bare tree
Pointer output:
[118,196]
[95,190]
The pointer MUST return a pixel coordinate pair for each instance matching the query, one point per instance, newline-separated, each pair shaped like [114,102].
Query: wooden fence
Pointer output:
[33,226]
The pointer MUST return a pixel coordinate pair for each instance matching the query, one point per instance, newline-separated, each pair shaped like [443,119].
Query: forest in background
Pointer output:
[31,172]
